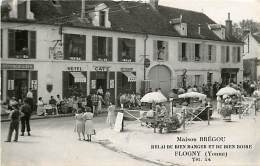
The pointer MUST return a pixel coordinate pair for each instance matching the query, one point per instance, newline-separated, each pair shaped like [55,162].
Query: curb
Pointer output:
[44,117]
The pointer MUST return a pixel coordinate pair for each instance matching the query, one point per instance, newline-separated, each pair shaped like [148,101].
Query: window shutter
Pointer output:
[234,59]
[132,50]
[202,54]
[155,51]
[92,77]
[180,51]
[66,46]
[166,50]
[223,54]
[188,51]
[65,84]
[189,81]
[192,52]
[83,47]
[112,89]
[238,54]
[32,38]
[206,53]
[213,52]
[34,77]
[201,79]
[119,83]
[110,48]
[94,48]
[11,43]
[120,49]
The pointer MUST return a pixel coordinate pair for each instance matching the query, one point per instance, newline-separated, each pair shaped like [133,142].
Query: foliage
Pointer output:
[245,25]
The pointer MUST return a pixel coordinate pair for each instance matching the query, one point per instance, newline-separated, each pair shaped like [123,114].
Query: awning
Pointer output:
[131,77]
[78,77]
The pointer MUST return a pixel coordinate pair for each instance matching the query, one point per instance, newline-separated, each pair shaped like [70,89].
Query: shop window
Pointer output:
[197,52]
[22,44]
[102,18]
[160,50]
[124,85]
[183,49]
[102,48]
[126,50]
[74,47]
[74,84]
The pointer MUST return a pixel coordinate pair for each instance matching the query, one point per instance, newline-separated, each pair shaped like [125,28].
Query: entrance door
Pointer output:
[160,77]
[102,83]
[21,84]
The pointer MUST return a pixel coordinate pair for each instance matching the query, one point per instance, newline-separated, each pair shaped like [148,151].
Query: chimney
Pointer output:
[83,6]
[154,4]
[228,26]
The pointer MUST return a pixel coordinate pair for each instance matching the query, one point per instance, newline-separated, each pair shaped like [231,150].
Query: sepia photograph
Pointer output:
[130,83]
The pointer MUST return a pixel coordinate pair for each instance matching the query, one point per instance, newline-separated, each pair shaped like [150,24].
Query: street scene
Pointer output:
[152,82]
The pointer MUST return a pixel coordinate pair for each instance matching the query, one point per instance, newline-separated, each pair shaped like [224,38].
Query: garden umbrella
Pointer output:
[156,97]
[193,95]
[228,91]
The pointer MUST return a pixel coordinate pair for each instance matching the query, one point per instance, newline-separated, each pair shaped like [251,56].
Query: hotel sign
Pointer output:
[17,66]
[76,68]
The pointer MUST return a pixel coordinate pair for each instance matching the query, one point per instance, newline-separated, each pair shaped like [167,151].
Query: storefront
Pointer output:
[16,79]
[102,77]
[229,75]
[74,82]
[126,81]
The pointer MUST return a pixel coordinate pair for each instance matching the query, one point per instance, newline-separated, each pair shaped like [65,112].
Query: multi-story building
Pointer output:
[251,56]
[74,47]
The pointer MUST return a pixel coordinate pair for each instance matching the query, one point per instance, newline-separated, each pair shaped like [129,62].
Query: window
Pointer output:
[160,50]
[183,49]
[238,54]
[197,52]
[126,50]
[227,54]
[102,48]
[22,44]
[74,47]
[1,43]
[102,18]
[210,52]
[197,80]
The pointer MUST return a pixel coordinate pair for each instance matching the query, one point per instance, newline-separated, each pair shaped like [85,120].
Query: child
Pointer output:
[111,115]
[15,115]
[80,123]
[89,130]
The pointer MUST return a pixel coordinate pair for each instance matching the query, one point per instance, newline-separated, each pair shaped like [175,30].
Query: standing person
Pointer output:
[59,101]
[29,97]
[219,104]
[75,103]
[100,91]
[80,123]
[99,106]
[107,98]
[89,103]
[94,99]
[53,103]
[111,115]
[25,120]
[14,115]
[89,128]
[40,107]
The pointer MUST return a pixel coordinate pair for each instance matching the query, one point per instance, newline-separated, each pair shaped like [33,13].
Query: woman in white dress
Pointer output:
[111,115]
[219,104]
[89,128]
[80,123]
[40,107]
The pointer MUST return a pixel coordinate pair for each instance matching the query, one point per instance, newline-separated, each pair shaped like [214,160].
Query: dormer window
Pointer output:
[102,18]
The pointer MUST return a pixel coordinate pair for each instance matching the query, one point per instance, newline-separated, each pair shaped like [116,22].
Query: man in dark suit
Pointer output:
[25,120]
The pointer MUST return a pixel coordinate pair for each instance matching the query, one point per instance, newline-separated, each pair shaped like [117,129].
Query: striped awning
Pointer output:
[131,77]
[78,77]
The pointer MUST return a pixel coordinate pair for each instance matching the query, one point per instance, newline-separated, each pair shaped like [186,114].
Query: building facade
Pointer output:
[251,56]
[105,46]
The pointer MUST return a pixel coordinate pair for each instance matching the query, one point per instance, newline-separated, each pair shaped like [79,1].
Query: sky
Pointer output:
[218,9]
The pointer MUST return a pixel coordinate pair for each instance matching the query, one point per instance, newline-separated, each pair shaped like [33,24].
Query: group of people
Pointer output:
[19,112]
[128,100]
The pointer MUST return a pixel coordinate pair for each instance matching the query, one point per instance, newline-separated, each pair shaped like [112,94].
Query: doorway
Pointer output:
[21,84]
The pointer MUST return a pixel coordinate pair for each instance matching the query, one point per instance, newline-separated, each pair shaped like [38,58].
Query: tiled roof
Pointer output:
[135,18]
[256,36]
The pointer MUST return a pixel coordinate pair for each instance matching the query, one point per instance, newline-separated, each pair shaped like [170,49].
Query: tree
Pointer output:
[248,24]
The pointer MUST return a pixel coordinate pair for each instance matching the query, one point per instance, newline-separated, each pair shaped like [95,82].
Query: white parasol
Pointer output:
[193,95]
[256,93]
[156,97]
[228,91]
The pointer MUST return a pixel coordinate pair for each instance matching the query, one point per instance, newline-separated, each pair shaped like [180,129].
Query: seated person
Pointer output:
[164,111]
[53,103]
